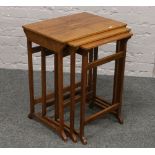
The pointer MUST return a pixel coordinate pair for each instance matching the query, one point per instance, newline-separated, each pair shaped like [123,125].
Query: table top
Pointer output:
[81,30]
[72,27]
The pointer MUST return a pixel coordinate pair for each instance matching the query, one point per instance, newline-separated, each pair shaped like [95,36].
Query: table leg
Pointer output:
[72,84]
[60,94]
[90,78]
[119,78]
[95,74]
[83,95]
[43,80]
[30,76]
[56,86]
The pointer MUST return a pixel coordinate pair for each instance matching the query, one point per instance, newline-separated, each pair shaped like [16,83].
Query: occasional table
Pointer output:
[70,35]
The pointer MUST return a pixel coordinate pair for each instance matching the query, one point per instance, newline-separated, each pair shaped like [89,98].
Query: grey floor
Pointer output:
[138,130]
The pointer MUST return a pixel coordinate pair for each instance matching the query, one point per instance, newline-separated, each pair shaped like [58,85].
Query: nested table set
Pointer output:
[71,35]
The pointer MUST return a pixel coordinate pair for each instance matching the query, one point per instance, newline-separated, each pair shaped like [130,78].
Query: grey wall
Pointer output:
[141,48]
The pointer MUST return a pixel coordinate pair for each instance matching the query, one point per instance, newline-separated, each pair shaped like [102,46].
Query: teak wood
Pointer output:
[72,27]
[70,35]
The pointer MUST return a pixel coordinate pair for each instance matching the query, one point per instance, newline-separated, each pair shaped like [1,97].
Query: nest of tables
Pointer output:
[81,34]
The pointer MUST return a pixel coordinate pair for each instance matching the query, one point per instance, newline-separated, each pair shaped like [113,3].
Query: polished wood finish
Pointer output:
[44,41]
[106,59]
[99,36]
[119,77]
[107,40]
[72,27]
[95,74]
[43,80]
[100,113]
[72,92]
[31,81]
[90,77]
[60,93]
[83,95]
[51,96]
[55,95]
[82,34]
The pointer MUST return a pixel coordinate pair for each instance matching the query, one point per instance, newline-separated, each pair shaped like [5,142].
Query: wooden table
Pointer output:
[80,33]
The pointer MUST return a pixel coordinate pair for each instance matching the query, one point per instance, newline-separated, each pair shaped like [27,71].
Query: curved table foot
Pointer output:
[63,136]
[83,140]
[120,119]
[73,137]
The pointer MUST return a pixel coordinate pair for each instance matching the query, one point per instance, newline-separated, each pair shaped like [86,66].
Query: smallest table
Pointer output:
[80,33]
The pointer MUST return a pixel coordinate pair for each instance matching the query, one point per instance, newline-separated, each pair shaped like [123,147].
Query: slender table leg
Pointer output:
[90,78]
[72,84]
[95,74]
[90,70]
[60,93]
[83,95]
[119,78]
[43,80]
[56,86]
[30,74]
